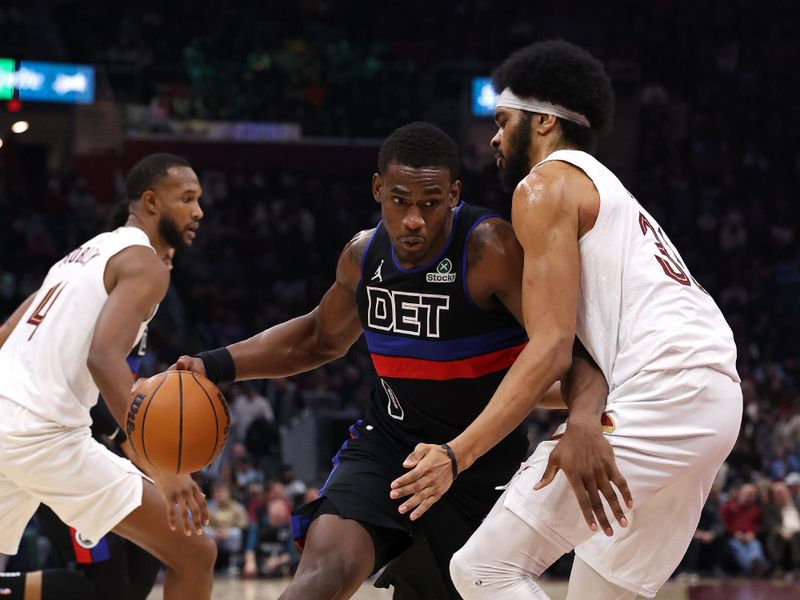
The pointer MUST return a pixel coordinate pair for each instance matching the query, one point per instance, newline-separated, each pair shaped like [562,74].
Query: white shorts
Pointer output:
[672,431]
[87,486]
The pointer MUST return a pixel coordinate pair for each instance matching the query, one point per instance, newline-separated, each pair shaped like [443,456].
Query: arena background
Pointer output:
[281,106]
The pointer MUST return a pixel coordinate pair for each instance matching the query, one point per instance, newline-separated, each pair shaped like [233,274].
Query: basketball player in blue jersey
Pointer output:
[68,342]
[599,266]
[435,289]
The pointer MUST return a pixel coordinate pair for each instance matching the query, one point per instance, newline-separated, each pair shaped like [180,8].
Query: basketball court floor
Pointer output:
[260,589]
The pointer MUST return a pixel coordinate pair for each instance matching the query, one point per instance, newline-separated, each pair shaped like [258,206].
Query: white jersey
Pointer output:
[43,362]
[639,308]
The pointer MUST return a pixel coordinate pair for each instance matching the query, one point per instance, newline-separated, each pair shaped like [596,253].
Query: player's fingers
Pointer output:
[202,504]
[597,504]
[549,473]
[413,502]
[423,483]
[182,364]
[196,513]
[605,487]
[423,507]
[622,486]
[184,512]
[583,500]
[172,517]
[409,480]
[417,455]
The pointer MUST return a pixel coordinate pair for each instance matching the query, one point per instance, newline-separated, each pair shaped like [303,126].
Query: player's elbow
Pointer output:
[560,353]
[96,360]
[329,351]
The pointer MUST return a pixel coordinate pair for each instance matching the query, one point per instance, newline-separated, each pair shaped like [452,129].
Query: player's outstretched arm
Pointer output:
[7,327]
[136,281]
[306,342]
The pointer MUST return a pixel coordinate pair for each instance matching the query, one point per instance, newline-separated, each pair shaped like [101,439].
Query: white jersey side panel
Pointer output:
[43,362]
[639,307]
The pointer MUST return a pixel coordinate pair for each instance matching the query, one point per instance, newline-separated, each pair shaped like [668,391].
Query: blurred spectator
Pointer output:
[793,482]
[247,406]
[704,555]
[312,493]
[293,487]
[227,519]
[782,529]
[270,547]
[743,518]
[245,474]
[782,462]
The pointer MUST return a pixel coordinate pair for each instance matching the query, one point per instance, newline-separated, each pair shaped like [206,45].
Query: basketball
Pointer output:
[178,421]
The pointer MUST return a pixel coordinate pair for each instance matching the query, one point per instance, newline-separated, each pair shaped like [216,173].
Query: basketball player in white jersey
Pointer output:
[70,340]
[596,265]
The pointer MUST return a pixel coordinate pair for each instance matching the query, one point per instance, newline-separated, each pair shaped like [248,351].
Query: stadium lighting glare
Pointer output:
[20,127]
[1,142]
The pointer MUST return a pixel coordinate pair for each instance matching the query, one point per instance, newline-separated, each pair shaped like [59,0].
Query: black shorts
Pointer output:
[116,567]
[417,553]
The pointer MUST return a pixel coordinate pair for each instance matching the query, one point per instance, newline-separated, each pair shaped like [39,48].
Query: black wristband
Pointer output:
[452,456]
[219,365]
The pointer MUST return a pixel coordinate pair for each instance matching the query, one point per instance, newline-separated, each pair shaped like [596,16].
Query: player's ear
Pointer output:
[543,124]
[377,184]
[150,202]
[455,193]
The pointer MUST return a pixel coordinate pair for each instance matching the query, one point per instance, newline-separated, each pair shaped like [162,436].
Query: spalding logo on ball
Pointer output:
[178,421]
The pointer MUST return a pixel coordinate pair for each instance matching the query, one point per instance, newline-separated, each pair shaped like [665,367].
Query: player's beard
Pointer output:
[170,232]
[516,161]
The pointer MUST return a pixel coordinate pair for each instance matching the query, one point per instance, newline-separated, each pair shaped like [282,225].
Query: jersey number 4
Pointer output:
[672,266]
[41,311]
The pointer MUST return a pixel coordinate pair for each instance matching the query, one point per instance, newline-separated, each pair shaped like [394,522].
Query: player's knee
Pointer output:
[329,575]
[197,556]
[464,574]
[344,569]
[207,554]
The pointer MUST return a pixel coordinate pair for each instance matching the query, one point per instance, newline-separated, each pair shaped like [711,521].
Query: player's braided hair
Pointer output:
[564,74]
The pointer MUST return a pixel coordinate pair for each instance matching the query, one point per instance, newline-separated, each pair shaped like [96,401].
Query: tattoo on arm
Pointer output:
[355,248]
[476,246]
[494,231]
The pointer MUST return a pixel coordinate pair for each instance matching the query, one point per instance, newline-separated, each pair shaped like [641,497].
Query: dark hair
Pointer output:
[118,215]
[418,145]
[149,171]
[565,74]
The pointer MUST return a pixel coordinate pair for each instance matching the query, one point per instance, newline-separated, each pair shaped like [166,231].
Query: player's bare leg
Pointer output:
[189,560]
[338,556]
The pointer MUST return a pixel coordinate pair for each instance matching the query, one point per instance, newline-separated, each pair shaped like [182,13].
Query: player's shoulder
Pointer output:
[140,262]
[348,272]
[554,180]
[491,238]
[354,249]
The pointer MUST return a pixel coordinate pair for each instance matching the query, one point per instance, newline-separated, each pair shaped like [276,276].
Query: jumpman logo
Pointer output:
[378,275]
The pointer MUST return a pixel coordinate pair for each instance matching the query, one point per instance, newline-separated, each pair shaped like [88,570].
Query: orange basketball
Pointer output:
[178,421]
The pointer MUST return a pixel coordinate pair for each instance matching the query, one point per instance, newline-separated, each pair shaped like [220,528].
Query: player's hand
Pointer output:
[587,459]
[431,475]
[184,500]
[189,363]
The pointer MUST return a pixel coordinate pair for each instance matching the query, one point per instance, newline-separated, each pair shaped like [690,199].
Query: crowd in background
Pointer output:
[716,163]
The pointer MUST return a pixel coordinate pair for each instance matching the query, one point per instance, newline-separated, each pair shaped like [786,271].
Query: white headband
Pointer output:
[509,99]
